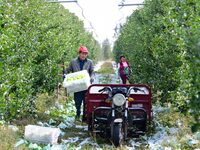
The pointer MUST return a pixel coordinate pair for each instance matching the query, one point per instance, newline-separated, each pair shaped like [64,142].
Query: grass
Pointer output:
[174,119]
[44,101]
[8,138]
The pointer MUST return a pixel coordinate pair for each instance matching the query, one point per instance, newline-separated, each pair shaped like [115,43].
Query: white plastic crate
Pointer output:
[77,81]
[45,135]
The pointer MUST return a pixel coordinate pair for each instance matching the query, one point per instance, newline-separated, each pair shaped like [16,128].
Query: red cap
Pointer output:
[83,49]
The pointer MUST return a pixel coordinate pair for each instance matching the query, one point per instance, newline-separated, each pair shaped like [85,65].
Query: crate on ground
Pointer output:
[45,135]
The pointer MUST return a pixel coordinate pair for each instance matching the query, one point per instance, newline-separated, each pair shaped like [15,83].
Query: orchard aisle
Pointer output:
[101,78]
[170,130]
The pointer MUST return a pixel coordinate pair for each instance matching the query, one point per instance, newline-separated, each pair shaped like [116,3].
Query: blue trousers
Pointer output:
[79,98]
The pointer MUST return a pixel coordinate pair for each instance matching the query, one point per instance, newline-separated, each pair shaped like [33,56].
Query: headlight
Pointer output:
[119,99]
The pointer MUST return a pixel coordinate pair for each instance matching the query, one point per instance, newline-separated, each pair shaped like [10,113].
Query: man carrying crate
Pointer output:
[78,64]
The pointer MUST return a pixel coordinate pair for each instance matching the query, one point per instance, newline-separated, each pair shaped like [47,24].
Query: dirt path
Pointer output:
[105,78]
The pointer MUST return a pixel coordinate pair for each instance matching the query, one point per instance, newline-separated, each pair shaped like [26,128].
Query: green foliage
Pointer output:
[106,50]
[161,42]
[35,36]
[60,112]
[44,102]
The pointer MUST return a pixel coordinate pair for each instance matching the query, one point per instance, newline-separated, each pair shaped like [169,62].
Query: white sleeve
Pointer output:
[118,66]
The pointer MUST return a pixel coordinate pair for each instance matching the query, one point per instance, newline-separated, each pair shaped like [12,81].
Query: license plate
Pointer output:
[137,105]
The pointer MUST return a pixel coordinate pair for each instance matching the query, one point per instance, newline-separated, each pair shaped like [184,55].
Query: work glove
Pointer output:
[64,75]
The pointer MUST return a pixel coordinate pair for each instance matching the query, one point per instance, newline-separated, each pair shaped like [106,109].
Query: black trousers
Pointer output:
[79,98]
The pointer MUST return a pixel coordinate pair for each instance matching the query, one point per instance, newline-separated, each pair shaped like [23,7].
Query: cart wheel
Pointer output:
[89,127]
[143,126]
[125,131]
[90,124]
[117,135]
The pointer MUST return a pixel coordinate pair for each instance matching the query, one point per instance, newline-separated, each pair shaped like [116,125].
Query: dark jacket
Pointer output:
[74,66]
